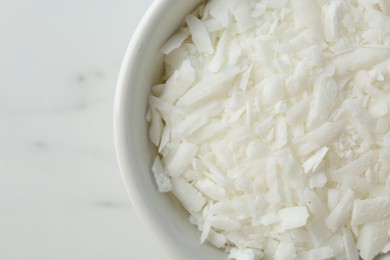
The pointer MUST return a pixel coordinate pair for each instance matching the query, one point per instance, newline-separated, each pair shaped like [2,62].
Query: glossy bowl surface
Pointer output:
[141,68]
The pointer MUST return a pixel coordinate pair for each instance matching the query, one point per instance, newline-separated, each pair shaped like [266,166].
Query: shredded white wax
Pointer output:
[272,127]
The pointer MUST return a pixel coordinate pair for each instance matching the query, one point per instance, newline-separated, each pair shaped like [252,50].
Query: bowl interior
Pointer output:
[142,67]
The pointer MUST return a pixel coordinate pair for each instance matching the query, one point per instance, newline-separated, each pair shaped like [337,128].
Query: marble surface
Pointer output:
[61,196]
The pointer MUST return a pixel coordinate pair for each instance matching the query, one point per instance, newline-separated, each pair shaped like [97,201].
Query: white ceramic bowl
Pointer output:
[141,68]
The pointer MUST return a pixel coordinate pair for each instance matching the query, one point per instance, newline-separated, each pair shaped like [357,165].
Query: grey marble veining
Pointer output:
[61,196]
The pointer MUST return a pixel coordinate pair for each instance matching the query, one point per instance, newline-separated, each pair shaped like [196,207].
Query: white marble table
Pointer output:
[61,196]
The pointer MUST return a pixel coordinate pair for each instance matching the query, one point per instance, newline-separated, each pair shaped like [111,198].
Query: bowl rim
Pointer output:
[147,24]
